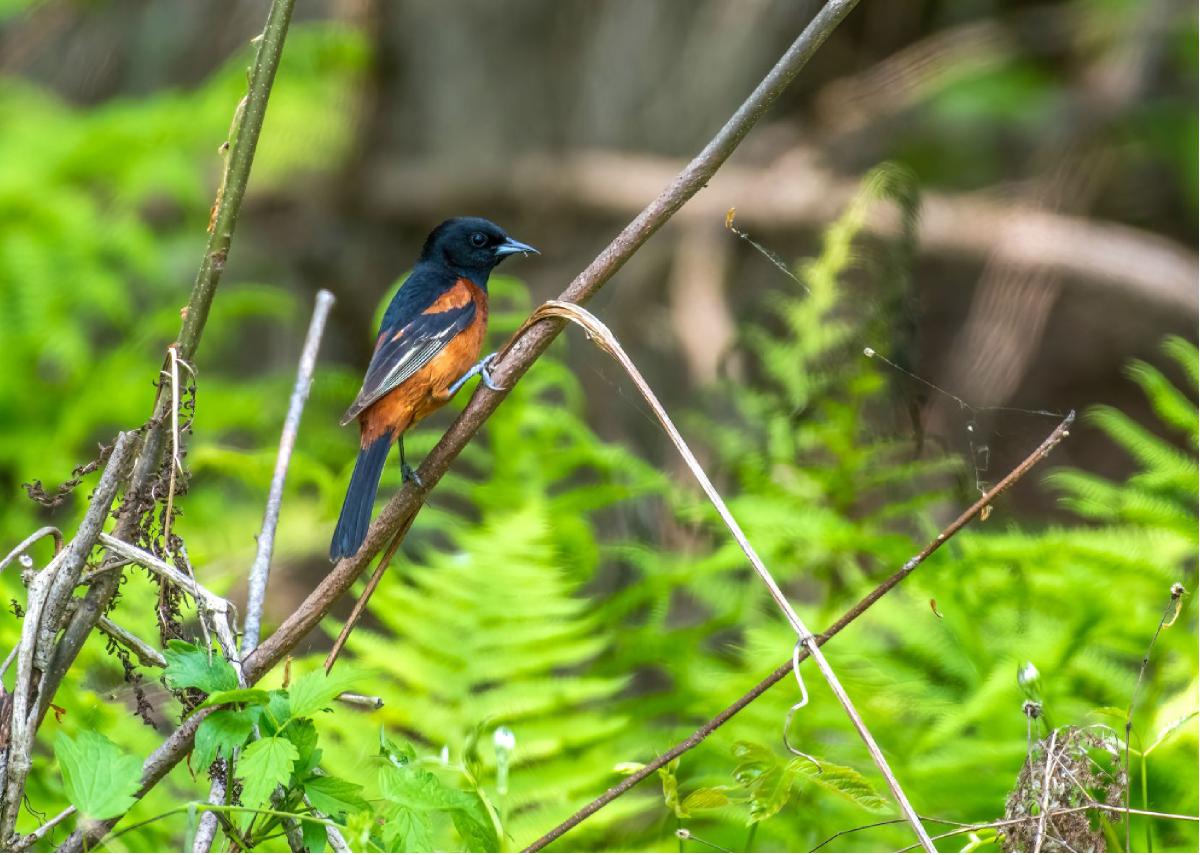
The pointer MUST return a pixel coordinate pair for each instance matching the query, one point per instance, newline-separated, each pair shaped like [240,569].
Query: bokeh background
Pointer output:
[1000,197]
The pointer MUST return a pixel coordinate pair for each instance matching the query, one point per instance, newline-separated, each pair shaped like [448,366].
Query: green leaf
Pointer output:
[707,798]
[99,778]
[220,733]
[314,834]
[334,796]
[843,780]
[303,734]
[266,764]
[235,696]
[670,787]
[761,773]
[279,709]
[316,690]
[419,790]
[189,667]
[475,827]
[407,830]
[396,754]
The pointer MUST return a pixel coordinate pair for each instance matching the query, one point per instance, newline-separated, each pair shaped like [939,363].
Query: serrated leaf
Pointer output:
[707,798]
[334,796]
[190,667]
[418,789]
[266,764]
[407,830]
[220,733]
[419,792]
[768,781]
[316,690]
[99,778]
[843,780]
[235,696]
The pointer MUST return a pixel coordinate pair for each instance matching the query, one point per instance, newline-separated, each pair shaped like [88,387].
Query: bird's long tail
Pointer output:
[352,525]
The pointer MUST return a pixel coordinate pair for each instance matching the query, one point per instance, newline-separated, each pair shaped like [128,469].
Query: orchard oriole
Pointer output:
[427,347]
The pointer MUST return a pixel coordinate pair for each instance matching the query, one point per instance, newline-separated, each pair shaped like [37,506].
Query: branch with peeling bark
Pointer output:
[44,657]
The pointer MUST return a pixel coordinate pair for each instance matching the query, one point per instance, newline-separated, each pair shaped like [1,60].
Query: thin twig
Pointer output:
[212,609]
[600,335]
[23,547]
[360,604]
[1051,762]
[1167,619]
[206,828]
[25,841]
[176,460]
[146,654]
[261,569]
[370,702]
[1004,823]
[852,614]
[521,356]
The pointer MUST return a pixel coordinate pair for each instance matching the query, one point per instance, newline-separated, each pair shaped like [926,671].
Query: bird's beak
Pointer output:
[512,247]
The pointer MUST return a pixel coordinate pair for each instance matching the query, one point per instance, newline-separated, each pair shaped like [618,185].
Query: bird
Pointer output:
[427,347]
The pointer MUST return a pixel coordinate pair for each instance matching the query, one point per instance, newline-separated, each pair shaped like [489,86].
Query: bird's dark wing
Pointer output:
[402,353]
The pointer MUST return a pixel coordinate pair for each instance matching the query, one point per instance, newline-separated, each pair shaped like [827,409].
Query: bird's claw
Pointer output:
[407,473]
[486,375]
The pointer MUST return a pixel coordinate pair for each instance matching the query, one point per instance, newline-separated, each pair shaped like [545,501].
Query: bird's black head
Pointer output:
[471,247]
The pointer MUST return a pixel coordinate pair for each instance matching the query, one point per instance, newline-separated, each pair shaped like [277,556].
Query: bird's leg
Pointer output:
[480,368]
[407,473]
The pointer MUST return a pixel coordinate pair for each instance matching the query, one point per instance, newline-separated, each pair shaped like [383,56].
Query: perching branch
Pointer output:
[852,614]
[520,357]
[600,335]
[523,352]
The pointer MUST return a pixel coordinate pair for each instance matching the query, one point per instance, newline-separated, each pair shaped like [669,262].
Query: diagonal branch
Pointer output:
[600,334]
[853,613]
[520,356]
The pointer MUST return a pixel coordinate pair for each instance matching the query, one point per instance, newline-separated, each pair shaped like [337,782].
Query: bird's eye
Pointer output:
[479,239]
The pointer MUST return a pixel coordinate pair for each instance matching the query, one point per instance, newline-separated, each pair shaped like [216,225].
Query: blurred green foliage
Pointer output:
[527,655]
